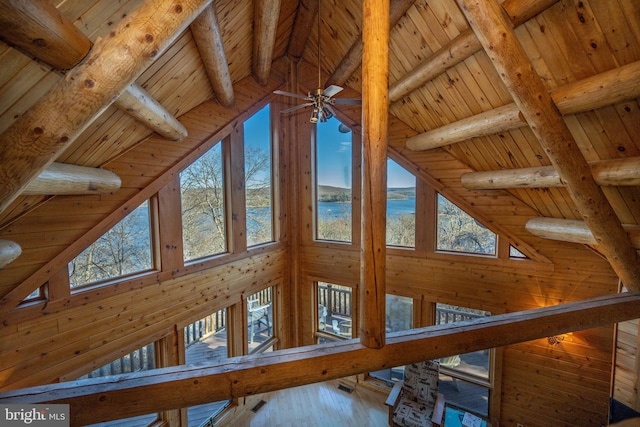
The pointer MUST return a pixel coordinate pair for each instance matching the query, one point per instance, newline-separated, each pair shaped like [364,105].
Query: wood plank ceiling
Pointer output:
[586,54]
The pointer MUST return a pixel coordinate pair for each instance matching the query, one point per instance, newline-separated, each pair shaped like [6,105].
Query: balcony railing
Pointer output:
[204,327]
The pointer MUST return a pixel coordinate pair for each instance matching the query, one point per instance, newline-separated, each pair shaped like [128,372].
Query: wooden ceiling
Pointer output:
[439,75]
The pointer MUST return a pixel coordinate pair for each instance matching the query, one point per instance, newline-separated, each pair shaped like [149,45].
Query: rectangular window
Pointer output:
[206,341]
[464,378]
[459,232]
[121,251]
[399,317]
[202,192]
[259,320]
[334,170]
[335,305]
[257,171]
[401,206]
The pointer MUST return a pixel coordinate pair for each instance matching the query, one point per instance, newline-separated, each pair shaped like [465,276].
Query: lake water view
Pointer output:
[395,207]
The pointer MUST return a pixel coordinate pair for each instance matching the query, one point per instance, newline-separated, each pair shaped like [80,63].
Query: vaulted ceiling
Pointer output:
[443,86]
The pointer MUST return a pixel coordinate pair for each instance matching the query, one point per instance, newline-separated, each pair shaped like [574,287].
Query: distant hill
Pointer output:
[327,193]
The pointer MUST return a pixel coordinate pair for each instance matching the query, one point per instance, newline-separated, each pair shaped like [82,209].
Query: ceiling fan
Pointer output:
[320,99]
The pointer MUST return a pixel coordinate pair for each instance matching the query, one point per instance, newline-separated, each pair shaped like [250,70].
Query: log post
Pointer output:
[375,111]
[31,143]
[353,59]
[494,31]
[64,179]
[266,14]
[614,172]
[9,251]
[206,33]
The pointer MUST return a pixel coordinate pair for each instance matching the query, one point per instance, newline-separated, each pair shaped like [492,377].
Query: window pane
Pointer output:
[333,181]
[203,208]
[514,253]
[401,206]
[205,341]
[465,395]
[257,169]
[334,310]
[142,359]
[259,318]
[459,232]
[399,317]
[123,250]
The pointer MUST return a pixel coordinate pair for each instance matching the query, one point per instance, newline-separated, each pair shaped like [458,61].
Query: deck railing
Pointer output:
[451,315]
[204,327]
[141,359]
[336,300]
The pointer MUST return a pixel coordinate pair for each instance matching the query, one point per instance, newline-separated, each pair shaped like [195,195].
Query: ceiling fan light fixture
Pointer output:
[315,115]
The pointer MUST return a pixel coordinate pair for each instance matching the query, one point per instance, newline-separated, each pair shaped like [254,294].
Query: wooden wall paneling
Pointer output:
[170,242]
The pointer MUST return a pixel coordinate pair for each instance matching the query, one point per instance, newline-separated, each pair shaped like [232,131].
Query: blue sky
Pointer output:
[333,156]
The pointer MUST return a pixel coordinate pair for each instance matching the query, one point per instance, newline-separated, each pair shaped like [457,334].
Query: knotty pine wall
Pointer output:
[541,385]
[72,334]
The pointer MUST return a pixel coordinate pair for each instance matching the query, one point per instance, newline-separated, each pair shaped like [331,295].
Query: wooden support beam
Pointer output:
[206,33]
[64,179]
[61,45]
[266,14]
[140,105]
[32,142]
[353,59]
[610,87]
[39,30]
[461,48]
[574,231]
[375,113]
[305,17]
[9,251]
[614,172]
[498,39]
[117,397]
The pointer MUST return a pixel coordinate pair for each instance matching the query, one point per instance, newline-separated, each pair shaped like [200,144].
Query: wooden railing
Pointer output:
[451,315]
[336,300]
[141,359]
[204,327]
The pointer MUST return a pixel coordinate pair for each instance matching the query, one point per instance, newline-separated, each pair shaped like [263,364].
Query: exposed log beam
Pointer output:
[31,143]
[375,91]
[610,87]
[353,59]
[305,16]
[40,30]
[614,172]
[206,33]
[574,231]
[461,48]
[498,39]
[9,251]
[139,104]
[64,179]
[266,14]
[116,397]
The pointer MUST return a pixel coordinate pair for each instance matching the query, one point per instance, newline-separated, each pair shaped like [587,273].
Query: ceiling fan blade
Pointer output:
[350,101]
[331,90]
[295,95]
[297,107]
[331,111]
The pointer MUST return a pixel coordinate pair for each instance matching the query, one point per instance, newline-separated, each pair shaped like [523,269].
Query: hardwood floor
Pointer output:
[322,404]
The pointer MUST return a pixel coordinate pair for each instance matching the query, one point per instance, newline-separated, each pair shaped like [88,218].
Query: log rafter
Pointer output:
[613,172]
[109,398]
[49,127]
[461,48]
[266,14]
[574,231]
[65,179]
[208,38]
[62,46]
[305,16]
[499,41]
[609,87]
